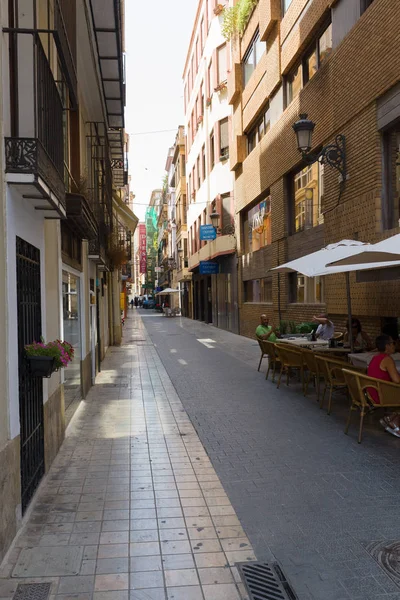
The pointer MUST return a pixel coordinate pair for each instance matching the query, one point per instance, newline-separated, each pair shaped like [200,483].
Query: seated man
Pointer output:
[265,331]
[325,329]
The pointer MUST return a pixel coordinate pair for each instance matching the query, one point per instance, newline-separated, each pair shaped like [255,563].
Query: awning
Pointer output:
[125,214]
[167,291]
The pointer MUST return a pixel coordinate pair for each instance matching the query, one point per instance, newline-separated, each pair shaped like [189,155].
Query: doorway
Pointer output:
[30,388]
[72,334]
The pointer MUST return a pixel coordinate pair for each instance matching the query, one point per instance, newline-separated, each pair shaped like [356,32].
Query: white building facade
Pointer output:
[209,181]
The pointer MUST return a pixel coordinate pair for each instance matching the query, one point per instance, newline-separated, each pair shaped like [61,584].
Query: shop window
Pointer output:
[224,138]
[257,226]
[258,131]
[222,74]
[252,57]
[305,290]
[391,174]
[307,197]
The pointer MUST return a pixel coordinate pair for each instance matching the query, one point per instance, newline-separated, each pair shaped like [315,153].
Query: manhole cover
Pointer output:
[387,555]
[265,581]
[32,591]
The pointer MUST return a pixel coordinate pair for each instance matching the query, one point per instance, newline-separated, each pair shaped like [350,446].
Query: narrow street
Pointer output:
[132,507]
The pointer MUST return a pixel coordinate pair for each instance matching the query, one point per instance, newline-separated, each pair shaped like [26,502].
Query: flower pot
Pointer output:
[41,366]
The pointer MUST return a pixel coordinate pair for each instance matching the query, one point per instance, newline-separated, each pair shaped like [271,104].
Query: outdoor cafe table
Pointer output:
[363,359]
[305,343]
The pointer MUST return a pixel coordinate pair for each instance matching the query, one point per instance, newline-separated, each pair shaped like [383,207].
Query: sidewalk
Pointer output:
[132,508]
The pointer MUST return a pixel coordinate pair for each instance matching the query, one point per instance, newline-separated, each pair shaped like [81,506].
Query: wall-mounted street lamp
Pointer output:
[215,219]
[333,155]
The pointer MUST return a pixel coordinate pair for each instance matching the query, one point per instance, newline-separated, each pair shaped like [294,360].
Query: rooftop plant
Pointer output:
[236,17]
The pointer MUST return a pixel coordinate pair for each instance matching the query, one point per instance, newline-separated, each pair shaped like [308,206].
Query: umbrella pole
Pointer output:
[349,310]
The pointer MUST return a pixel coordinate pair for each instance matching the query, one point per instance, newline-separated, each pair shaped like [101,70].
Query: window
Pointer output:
[293,84]
[252,57]
[307,197]
[212,151]
[257,132]
[258,290]
[198,173]
[391,175]
[285,5]
[224,138]
[317,54]
[203,163]
[197,54]
[305,290]
[222,74]
[226,210]
[257,226]
[325,45]
[202,35]
[190,186]
[365,4]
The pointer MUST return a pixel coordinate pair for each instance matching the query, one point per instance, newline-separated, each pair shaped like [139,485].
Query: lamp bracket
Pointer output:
[333,155]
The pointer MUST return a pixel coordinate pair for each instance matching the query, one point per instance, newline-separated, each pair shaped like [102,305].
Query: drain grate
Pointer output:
[32,591]
[387,555]
[265,581]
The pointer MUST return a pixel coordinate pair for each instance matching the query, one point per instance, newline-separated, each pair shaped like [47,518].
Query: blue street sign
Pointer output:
[208,268]
[207,232]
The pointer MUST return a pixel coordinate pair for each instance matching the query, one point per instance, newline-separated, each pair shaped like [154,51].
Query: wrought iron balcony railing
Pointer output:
[37,149]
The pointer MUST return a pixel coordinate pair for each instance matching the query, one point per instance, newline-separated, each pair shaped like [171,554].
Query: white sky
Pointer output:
[157,37]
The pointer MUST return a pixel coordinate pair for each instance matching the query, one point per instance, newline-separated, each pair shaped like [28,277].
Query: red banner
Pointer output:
[142,248]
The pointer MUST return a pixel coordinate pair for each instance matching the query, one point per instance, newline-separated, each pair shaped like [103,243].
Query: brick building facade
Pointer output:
[339,62]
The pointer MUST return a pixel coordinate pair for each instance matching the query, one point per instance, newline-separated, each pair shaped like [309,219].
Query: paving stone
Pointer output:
[48,562]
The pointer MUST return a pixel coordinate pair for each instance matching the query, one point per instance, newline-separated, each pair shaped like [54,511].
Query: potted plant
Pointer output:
[43,359]
[208,101]
[200,120]
[219,9]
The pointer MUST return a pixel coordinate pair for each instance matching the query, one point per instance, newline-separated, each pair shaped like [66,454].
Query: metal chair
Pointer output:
[332,372]
[359,385]
[289,359]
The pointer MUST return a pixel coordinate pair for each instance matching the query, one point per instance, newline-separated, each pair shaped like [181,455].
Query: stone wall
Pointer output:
[10,493]
[54,426]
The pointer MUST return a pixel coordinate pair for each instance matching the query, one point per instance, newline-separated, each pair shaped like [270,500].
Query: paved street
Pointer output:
[305,493]
[137,507]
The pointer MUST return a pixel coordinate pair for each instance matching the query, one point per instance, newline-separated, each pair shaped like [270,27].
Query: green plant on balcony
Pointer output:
[236,17]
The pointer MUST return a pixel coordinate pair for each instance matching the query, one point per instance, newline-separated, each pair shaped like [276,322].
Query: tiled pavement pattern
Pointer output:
[132,508]
[306,494]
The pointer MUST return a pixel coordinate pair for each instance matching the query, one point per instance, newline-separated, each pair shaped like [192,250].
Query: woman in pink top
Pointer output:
[382,366]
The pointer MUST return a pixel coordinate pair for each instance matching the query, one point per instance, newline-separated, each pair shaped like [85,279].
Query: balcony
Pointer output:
[81,217]
[98,247]
[223,244]
[34,157]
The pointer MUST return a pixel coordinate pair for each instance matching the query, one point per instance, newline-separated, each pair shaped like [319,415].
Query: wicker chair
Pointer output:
[263,352]
[313,373]
[332,372]
[358,385]
[273,360]
[289,359]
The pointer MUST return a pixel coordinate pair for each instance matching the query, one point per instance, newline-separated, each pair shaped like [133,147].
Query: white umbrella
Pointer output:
[386,252]
[314,265]
[167,291]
